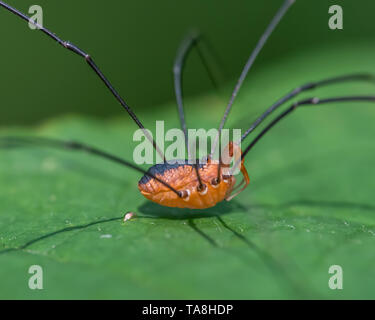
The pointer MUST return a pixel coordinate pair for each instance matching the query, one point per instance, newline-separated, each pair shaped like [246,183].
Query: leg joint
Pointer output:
[75,49]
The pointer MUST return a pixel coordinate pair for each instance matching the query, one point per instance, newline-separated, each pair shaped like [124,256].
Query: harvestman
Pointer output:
[186,185]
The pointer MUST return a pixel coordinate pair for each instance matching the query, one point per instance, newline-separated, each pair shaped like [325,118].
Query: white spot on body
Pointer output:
[204,191]
[188,195]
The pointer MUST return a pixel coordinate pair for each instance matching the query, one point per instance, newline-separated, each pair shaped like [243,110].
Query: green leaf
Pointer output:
[310,203]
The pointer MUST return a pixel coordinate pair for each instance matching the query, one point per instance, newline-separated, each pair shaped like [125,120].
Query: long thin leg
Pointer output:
[193,39]
[9,142]
[306,87]
[211,61]
[271,27]
[306,102]
[90,61]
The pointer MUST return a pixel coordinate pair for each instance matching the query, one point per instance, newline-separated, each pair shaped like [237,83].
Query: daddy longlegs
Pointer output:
[197,185]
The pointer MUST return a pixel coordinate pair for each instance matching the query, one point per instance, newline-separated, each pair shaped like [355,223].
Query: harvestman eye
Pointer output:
[169,184]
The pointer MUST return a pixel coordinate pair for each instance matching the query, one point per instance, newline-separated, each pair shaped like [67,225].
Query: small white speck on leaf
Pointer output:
[105,236]
[129,215]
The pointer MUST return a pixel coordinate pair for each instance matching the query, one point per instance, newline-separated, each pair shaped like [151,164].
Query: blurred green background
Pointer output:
[134,42]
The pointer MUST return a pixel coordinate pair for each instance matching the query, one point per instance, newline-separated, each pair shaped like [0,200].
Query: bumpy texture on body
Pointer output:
[183,177]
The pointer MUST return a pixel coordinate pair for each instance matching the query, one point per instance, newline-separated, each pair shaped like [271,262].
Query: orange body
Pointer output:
[183,177]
